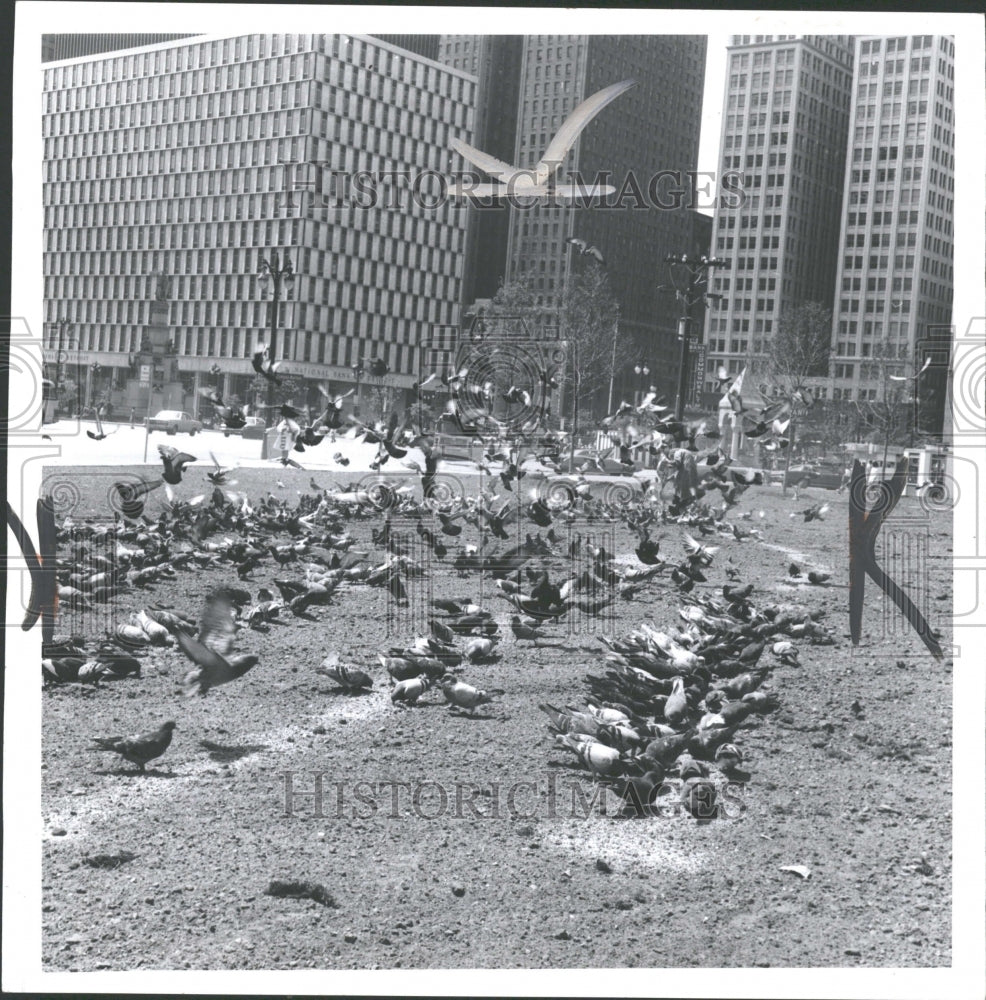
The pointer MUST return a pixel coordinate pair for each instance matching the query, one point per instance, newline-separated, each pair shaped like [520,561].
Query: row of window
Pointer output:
[221,57]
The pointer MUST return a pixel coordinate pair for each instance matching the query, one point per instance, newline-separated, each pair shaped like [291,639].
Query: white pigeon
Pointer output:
[521,182]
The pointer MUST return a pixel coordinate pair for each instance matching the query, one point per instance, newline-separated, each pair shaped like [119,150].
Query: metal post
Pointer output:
[612,367]
[271,348]
[679,403]
[150,400]
[62,324]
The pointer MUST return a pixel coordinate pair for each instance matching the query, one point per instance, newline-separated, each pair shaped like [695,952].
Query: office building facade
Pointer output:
[495,61]
[57,47]
[895,267]
[197,158]
[785,130]
[650,129]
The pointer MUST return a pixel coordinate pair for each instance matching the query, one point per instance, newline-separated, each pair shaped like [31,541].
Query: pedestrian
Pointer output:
[133,417]
[287,434]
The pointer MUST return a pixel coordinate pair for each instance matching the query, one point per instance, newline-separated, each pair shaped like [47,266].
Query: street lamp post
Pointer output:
[94,370]
[271,274]
[358,373]
[612,363]
[63,325]
[690,288]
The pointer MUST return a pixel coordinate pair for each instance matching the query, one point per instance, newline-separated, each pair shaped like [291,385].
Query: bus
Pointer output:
[49,402]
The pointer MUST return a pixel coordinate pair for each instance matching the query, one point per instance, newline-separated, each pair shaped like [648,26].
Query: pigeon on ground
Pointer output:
[140,749]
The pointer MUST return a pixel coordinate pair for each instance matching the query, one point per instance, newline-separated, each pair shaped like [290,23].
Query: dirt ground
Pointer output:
[850,778]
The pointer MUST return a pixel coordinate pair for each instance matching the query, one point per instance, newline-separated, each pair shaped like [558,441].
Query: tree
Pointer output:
[588,318]
[885,412]
[798,351]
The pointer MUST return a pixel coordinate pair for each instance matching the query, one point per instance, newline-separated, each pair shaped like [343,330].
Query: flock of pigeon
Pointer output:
[669,701]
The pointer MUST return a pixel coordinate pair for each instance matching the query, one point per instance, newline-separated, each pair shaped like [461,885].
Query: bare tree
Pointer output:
[798,351]
[588,319]
[885,412]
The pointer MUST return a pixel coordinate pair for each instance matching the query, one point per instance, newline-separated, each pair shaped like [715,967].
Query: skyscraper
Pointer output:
[895,273]
[495,62]
[785,129]
[198,158]
[652,128]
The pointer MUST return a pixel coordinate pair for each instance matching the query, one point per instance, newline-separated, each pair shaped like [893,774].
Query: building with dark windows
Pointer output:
[652,128]
[495,61]
[423,45]
[785,129]
[196,159]
[893,295]
[57,47]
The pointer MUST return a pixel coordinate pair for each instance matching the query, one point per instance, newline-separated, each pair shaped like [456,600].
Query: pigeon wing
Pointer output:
[207,659]
[572,127]
[217,630]
[488,164]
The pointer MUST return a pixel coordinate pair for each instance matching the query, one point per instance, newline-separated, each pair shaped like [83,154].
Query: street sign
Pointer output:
[145,374]
[698,370]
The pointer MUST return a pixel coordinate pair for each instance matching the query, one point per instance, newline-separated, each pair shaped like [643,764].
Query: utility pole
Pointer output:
[689,276]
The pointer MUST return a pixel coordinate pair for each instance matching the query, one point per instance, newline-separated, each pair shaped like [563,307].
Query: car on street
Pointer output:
[823,475]
[254,428]
[174,422]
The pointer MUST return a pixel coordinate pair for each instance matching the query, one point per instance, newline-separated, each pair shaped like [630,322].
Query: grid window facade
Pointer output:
[896,241]
[198,158]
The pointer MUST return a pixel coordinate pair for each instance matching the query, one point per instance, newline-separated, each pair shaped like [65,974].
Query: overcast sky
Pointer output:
[715,71]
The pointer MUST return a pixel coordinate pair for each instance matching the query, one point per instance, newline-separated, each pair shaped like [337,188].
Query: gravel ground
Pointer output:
[850,778]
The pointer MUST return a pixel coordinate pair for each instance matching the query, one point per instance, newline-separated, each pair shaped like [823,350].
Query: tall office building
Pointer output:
[784,129]
[895,274]
[196,159]
[654,127]
[495,61]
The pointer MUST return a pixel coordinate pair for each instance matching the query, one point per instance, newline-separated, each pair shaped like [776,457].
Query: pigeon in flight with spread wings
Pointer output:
[908,378]
[210,650]
[523,182]
[586,249]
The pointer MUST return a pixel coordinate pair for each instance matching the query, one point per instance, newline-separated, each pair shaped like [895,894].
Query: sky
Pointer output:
[715,71]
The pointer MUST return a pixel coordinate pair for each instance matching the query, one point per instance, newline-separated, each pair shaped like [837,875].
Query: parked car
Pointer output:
[174,422]
[823,475]
[254,428]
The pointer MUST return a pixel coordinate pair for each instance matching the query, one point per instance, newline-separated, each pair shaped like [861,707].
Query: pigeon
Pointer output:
[586,249]
[408,691]
[100,434]
[817,577]
[174,463]
[906,378]
[210,649]
[350,679]
[263,365]
[521,182]
[458,694]
[140,749]
[218,476]
[816,512]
